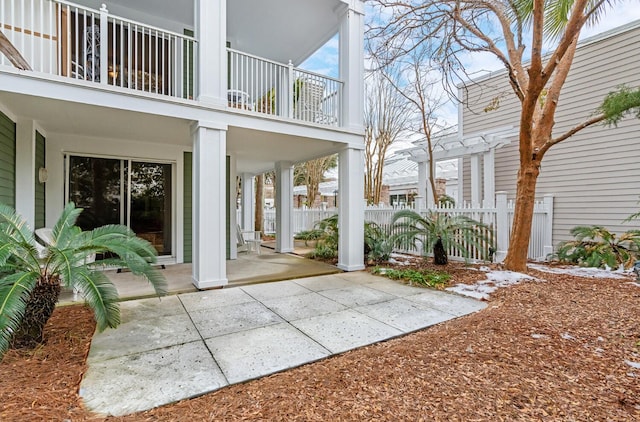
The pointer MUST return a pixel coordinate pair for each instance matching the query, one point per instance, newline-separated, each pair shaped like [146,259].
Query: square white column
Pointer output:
[351,209]
[284,207]
[26,170]
[209,205]
[233,208]
[460,198]
[422,185]
[211,32]
[488,169]
[351,65]
[248,202]
[475,180]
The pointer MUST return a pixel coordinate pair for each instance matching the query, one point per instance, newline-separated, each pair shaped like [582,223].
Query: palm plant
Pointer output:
[444,232]
[595,246]
[31,275]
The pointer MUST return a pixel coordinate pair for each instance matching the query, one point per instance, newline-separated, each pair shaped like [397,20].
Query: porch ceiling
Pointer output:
[92,121]
[258,151]
[280,30]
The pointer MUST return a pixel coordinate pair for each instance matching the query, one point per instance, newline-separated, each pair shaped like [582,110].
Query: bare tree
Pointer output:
[450,29]
[386,116]
[259,208]
[311,174]
[422,90]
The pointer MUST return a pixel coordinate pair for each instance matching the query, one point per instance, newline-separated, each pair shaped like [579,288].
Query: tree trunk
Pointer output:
[40,306]
[439,254]
[259,208]
[516,259]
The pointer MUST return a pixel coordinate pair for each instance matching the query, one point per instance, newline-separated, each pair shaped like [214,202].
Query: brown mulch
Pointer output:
[552,350]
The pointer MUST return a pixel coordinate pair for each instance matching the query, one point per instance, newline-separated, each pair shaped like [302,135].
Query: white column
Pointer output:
[284,207]
[26,170]
[248,202]
[209,205]
[502,226]
[488,169]
[475,180]
[422,186]
[351,209]
[460,198]
[233,209]
[351,65]
[211,32]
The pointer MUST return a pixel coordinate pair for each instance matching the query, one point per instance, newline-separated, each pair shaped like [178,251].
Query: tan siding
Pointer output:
[595,175]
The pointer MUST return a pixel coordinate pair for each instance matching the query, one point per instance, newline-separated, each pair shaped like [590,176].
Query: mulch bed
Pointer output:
[552,350]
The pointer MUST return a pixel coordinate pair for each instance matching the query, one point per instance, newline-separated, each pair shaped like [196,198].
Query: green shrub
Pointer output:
[595,246]
[377,246]
[443,233]
[307,235]
[426,278]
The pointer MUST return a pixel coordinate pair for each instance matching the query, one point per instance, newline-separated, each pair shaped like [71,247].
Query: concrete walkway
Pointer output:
[193,343]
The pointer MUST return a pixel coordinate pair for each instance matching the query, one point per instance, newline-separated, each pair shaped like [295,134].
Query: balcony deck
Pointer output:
[60,38]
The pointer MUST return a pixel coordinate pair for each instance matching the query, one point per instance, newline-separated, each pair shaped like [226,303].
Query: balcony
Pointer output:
[68,40]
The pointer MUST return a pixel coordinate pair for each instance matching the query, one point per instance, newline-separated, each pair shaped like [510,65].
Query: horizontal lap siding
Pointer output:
[594,175]
[188,207]
[7,161]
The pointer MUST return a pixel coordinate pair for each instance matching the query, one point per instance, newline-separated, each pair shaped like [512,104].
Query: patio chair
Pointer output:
[248,240]
[309,99]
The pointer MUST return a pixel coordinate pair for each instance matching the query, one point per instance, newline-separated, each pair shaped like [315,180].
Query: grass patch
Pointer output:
[427,278]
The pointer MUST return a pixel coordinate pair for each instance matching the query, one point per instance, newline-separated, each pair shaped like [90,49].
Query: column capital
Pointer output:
[206,124]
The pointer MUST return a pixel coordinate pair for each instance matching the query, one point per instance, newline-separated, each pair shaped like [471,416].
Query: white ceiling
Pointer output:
[279,30]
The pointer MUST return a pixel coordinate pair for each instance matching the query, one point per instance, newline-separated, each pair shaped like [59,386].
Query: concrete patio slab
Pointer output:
[292,308]
[213,299]
[141,381]
[133,310]
[195,343]
[345,330]
[266,291]
[141,335]
[232,319]
[261,351]
[450,303]
[318,284]
[357,295]
[404,315]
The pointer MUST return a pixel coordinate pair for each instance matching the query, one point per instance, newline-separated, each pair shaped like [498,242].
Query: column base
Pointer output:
[284,250]
[209,284]
[351,267]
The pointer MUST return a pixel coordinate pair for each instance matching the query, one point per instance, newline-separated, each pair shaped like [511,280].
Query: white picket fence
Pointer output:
[499,218]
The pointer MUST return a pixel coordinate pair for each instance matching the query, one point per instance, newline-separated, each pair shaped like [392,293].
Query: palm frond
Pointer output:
[101,296]
[64,227]
[14,292]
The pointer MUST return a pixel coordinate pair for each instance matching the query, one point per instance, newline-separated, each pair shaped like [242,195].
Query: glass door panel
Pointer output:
[150,204]
[95,184]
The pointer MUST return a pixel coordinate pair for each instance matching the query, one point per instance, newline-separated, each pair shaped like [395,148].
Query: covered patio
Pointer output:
[265,267]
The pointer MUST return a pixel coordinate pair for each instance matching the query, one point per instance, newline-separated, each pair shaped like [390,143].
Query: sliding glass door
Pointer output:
[118,191]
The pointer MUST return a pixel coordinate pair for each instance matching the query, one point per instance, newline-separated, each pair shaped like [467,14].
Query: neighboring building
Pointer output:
[145,112]
[595,175]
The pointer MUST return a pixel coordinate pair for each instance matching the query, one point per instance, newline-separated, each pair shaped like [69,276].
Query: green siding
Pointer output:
[39,188]
[188,207]
[7,161]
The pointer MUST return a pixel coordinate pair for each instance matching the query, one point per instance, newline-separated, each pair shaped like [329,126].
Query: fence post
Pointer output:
[548,225]
[104,45]
[502,226]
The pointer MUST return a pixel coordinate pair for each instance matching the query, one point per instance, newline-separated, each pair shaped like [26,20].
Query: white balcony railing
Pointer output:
[269,87]
[65,39]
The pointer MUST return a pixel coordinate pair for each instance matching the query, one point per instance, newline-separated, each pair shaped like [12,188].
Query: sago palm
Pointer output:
[31,276]
[596,246]
[443,232]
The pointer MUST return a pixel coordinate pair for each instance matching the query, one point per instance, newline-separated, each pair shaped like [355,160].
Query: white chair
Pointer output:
[248,241]
[309,102]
